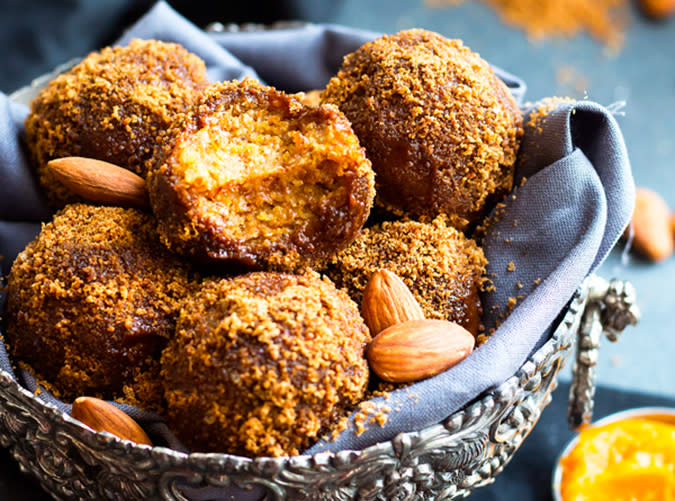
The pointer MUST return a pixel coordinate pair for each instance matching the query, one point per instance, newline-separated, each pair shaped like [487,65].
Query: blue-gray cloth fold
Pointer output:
[574,197]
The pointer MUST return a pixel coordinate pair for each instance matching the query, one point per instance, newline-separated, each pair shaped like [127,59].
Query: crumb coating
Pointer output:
[444,269]
[92,300]
[252,176]
[441,130]
[264,364]
[112,106]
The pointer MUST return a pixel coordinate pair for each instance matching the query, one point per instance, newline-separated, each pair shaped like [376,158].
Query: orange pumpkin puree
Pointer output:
[631,459]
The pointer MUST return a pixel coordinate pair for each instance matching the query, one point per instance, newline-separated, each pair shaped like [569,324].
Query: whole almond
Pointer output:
[103,416]
[652,231]
[658,9]
[418,349]
[387,301]
[99,181]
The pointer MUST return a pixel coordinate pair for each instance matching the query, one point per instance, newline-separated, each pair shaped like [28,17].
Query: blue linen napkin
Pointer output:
[574,197]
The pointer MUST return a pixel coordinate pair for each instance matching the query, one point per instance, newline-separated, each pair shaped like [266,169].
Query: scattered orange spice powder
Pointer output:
[605,20]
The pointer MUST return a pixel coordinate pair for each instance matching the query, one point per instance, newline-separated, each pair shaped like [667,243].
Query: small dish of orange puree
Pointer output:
[627,456]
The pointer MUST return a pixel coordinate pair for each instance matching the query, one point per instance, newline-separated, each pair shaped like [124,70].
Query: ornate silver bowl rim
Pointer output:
[284,473]
[444,461]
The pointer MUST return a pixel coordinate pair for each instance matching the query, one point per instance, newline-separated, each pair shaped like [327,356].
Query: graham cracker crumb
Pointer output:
[482,338]
[370,413]
[543,109]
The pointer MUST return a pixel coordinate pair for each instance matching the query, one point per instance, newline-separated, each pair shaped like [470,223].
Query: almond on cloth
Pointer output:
[387,301]
[103,416]
[652,227]
[418,349]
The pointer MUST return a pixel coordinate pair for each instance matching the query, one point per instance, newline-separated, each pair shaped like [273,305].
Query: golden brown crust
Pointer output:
[444,269]
[253,176]
[112,106]
[263,364]
[92,300]
[441,130]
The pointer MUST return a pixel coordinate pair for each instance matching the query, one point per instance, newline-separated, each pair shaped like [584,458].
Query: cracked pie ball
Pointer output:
[264,364]
[440,128]
[252,176]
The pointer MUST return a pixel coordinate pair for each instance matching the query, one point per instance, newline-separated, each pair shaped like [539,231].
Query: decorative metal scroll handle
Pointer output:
[610,307]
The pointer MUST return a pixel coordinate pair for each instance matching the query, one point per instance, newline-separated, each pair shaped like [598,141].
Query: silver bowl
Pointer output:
[442,462]
[445,461]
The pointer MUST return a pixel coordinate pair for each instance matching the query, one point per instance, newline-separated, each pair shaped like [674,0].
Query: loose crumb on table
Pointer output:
[604,20]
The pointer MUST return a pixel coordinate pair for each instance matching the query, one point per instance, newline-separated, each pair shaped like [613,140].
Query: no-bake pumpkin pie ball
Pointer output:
[440,128]
[92,300]
[252,176]
[444,269]
[264,363]
[112,106]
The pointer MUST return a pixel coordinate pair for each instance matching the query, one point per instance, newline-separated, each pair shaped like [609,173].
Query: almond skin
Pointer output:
[652,227]
[387,301]
[418,349]
[100,182]
[103,416]
[658,9]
